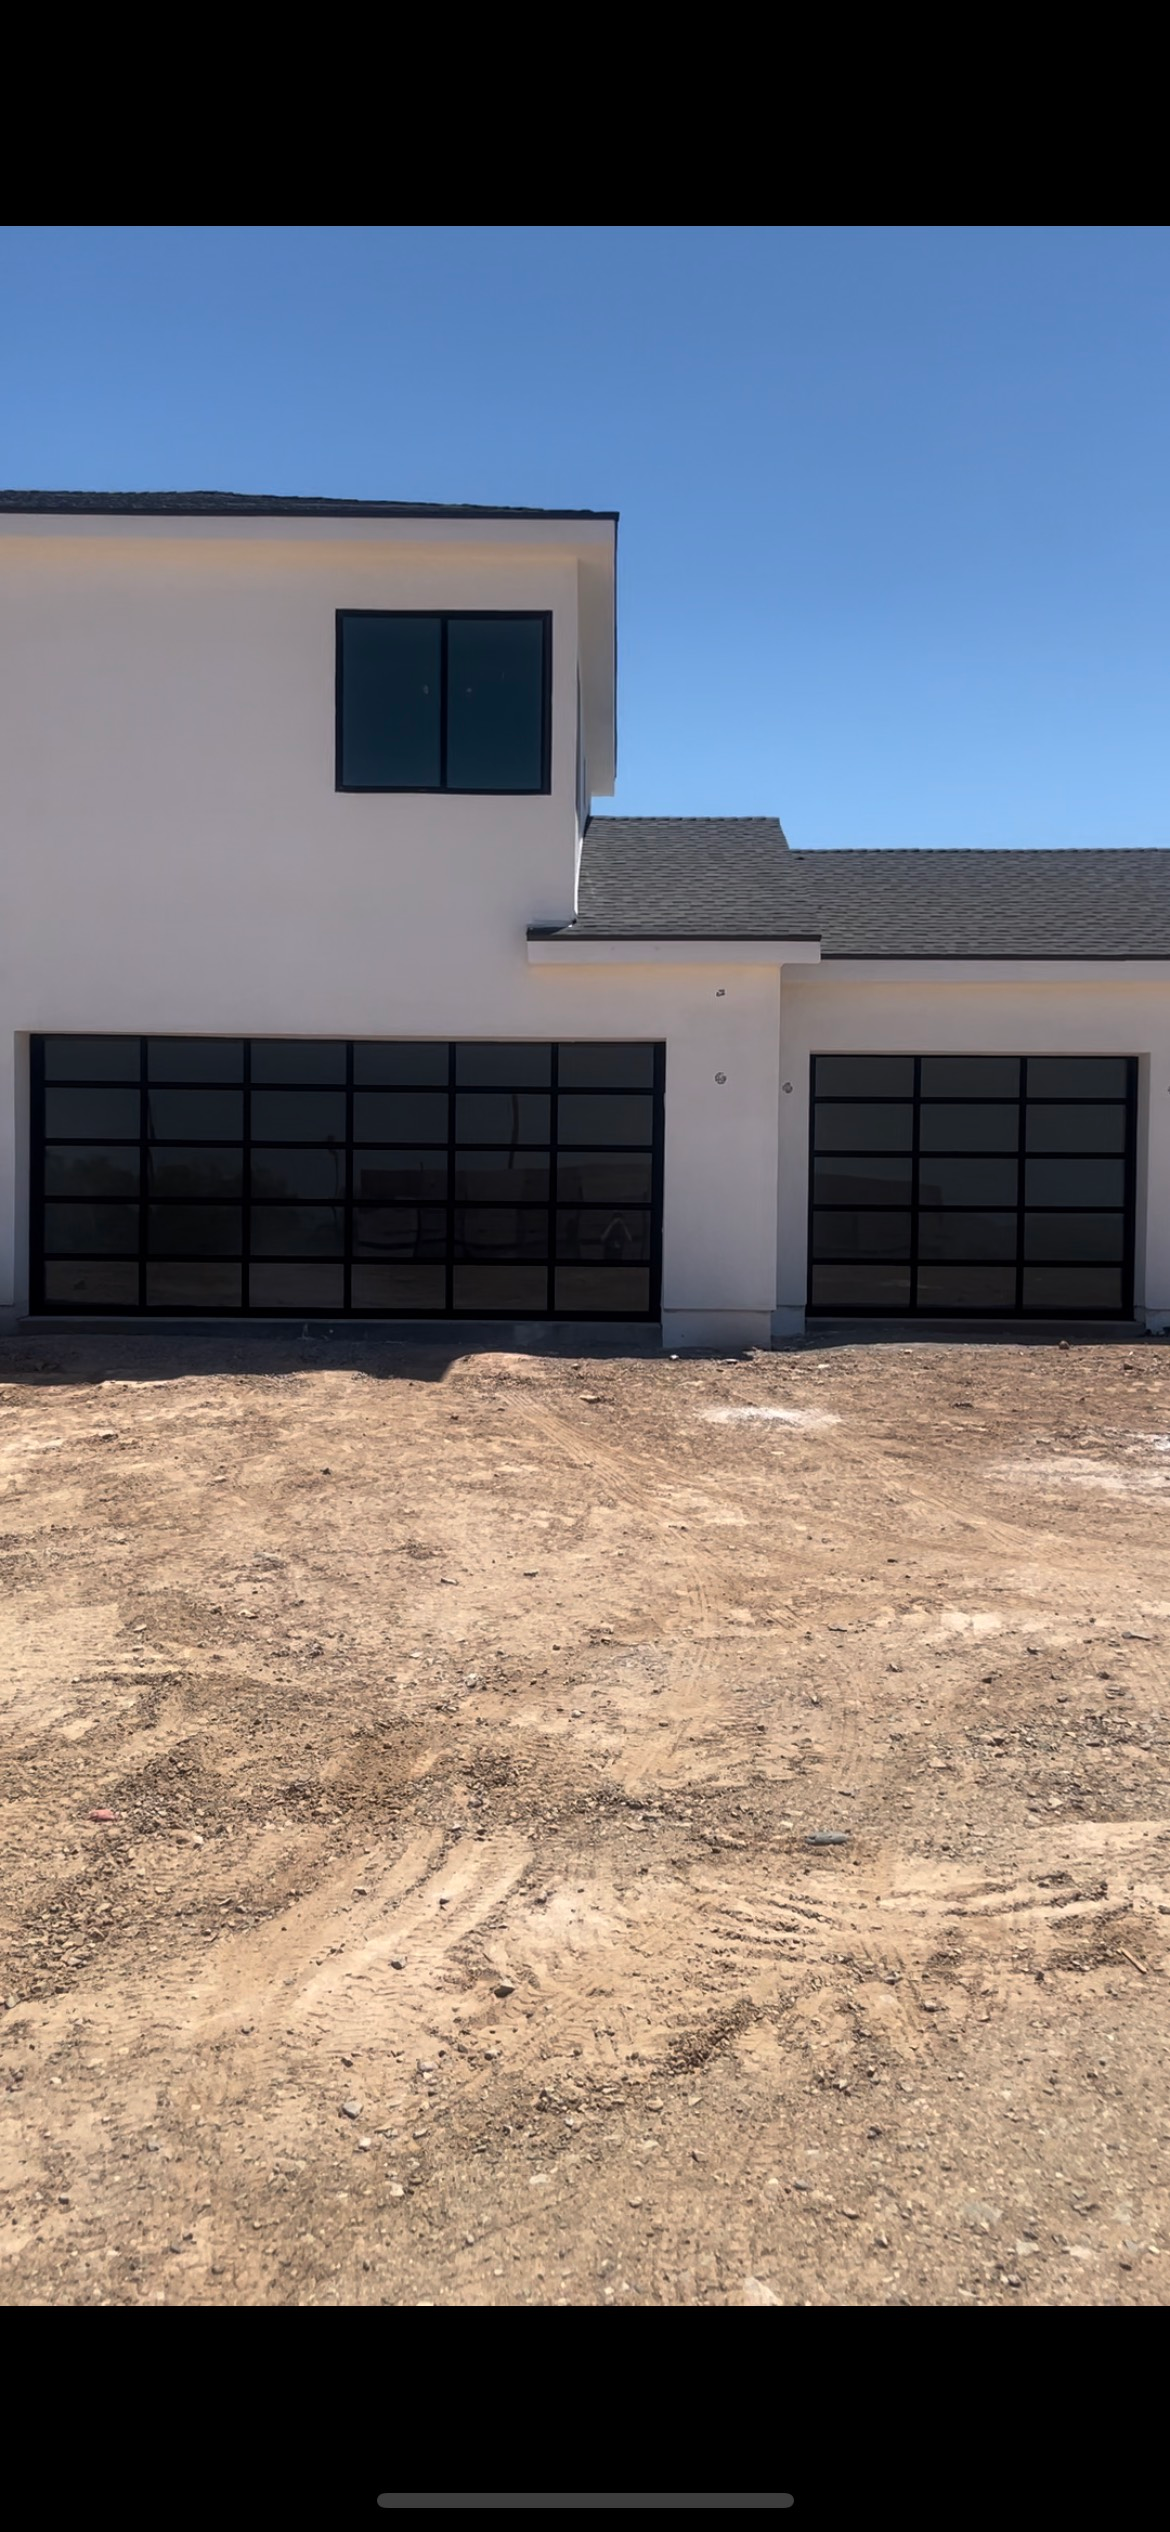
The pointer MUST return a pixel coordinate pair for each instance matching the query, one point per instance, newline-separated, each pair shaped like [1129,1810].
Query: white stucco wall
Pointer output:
[859,1008]
[174,856]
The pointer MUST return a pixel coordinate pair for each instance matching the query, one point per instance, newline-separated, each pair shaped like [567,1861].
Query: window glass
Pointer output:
[390,702]
[495,703]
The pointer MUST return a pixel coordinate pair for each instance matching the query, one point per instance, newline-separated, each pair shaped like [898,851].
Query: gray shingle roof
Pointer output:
[735,879]
[1086,904]
[692,879]
[262,505]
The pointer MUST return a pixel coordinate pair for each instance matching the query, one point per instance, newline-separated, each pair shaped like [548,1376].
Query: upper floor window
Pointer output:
[442,702]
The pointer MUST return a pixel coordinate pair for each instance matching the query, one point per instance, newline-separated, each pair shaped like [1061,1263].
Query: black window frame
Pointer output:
[350,1201]
[1024,1100]
[443,617]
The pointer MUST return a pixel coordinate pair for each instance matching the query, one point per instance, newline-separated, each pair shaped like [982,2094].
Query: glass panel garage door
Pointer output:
[982,1184]
[265,1176]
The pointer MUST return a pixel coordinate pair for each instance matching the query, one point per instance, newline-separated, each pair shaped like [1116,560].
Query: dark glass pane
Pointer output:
[967,1181]
[400,1231]
[506,1177]
[1072,1287]
[296,1287]
[194,1230]
[970,1076]
[515,1287]
[495,703]
[400,1177]
[194,1287]
[389,702]
[582,1118]
[1074,1237]
[500,1231]
[857,1129]
[966,1287]
[860,1288]
[1074,1182]
[604,1177]
[399,1288]
[1076,1130]
[306,1230]
[91,1112]
[78,1287]
[298,1116]
[852,1234]
[88,1230]
[408,1062]
[864,1076]
[1076,1076]
[91,1059]
[501,1116]
[606,1067]
[198,1116]
[91,1169]
[968,1129]
[195,1059]
[302,1059]
[864,1181]
[967,1235]
[614,1236]
[400,1116]
[174,1172]
[305,1176]
[514,1067]
[621,1289]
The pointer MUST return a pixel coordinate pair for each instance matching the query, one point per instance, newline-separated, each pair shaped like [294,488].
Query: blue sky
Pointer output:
[894,559]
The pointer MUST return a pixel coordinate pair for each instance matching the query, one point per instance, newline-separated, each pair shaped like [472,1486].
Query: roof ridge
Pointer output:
[689,817]
[210,503]
[978,852]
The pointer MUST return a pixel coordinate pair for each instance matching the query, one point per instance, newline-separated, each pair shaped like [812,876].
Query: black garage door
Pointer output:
[988,1184]
[270,1176]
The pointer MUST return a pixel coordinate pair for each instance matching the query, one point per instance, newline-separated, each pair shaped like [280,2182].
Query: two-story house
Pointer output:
[324,995]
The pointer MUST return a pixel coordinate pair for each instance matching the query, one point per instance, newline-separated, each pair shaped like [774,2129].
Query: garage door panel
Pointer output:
[980,1127]
[875,1178]
[1081,1237]
[192,1115]
[174,1172]
[1076,1129]
[196,1284]
[1073,1182]
[970,1076]
[852,1232]
[323,1177]
[966,1238]
[966,1287]
[192,1230]
[1018,1175]
[91,1058]
[1090,1288]
[93,1169]
[89,1230]
[93,1115]
[192,1059]
[966,1179]
[860,1287]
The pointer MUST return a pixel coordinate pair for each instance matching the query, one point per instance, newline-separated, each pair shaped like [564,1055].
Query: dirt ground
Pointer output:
[463,1720]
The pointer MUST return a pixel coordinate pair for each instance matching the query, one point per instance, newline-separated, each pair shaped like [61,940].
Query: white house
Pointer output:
[323,994]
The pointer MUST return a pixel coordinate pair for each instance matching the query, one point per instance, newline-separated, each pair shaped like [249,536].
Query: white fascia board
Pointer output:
[660,953]
[999,971]
[590,541]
